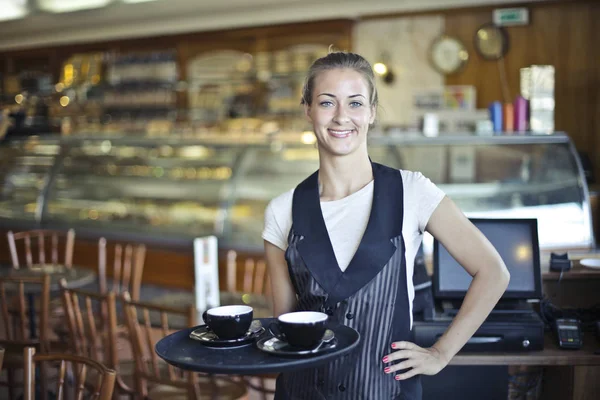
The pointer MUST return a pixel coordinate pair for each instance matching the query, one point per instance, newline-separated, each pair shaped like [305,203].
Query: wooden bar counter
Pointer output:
[552,355]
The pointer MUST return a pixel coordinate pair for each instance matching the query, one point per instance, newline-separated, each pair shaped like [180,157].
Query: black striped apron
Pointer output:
[371,296]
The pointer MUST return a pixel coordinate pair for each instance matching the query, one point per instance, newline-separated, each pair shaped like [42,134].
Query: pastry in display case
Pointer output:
[25,171]
[171,190]
[142,186]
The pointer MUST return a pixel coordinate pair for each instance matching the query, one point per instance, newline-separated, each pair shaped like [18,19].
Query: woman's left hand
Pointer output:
[417,360]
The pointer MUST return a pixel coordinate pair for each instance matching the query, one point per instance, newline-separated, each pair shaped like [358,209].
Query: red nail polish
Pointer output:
[397,377]
[387,370]
[385,359]
[393,345]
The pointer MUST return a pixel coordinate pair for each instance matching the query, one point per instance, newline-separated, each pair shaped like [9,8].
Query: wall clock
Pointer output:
[491,42]
[448,55]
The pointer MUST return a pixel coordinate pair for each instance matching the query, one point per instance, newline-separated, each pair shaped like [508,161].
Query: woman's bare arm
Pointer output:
[284,296]
[480,259]
[490,278]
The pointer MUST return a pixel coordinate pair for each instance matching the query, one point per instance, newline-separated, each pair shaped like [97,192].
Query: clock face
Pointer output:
[448,55]
[491,42]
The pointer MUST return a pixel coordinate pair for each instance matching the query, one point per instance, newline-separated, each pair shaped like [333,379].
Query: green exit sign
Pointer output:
[511,16]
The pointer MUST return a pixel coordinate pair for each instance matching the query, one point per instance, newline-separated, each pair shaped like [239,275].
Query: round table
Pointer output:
[189,354]
[76,277]
[260,304]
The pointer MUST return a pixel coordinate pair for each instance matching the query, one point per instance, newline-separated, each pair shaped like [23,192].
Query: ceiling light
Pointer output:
[13,9]
[60,6]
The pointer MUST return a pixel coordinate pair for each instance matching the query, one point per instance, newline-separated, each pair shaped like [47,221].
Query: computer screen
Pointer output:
[516,240]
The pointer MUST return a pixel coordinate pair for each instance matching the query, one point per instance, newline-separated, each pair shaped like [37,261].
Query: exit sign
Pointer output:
[511,16]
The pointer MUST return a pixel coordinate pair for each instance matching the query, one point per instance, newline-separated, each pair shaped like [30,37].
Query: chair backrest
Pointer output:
[128,266]
[92,380]
[42,241]
[248,275]
[155,320]
[147,323]
[92,321]
[93,327]
[17,310]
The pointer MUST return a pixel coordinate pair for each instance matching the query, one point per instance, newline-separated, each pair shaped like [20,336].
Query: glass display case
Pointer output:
[25,172]
[172,190]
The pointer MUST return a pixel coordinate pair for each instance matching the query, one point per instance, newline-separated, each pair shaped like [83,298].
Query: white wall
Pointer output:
[407,41]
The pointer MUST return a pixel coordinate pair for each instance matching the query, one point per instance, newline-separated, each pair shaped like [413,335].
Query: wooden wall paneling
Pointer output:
[594,91]
[557,383]
[560,34]
[572,293]
[338,41]
[586,383]
[335,27]
[3,73]
[195,49]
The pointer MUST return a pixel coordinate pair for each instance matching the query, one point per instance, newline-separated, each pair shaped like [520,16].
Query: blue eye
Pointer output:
[355,104]
[326,103]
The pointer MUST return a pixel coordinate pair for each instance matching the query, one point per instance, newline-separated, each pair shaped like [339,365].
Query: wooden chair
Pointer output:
[98,383]
[44,238]
[167,381]
[22,325]
[46,245]
[250,276]
[247,276]
[128,266]
[93,330]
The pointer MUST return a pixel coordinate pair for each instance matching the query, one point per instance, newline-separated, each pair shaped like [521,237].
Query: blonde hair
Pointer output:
[340,60]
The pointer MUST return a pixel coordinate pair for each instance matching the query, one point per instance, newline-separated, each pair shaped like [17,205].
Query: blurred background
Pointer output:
[161,121]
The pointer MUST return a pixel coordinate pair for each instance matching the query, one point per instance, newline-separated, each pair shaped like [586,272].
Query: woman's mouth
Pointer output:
[339,133]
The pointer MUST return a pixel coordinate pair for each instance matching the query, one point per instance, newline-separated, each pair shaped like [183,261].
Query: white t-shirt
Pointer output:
[346,220]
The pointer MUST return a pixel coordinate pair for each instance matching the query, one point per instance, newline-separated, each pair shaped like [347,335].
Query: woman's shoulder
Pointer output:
[282,202]
[412,177]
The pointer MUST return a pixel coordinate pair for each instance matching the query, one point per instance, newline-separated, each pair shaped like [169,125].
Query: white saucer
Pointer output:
[591,262]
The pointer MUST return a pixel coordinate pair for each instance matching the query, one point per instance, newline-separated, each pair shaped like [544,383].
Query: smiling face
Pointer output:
[340,111]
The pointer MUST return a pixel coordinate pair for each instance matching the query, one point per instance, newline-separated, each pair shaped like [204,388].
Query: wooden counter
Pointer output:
[551,355]
[564,374]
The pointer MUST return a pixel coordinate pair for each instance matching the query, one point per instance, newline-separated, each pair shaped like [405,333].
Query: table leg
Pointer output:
[32,327]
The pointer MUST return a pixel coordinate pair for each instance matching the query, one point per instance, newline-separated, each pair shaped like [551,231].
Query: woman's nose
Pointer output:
[341,115]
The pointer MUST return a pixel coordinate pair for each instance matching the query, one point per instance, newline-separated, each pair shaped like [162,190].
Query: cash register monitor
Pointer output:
[516,240]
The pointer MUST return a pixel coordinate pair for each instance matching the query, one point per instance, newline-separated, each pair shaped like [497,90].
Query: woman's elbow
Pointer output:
[503,278]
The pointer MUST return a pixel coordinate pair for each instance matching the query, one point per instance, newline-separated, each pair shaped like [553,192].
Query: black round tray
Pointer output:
[189,354]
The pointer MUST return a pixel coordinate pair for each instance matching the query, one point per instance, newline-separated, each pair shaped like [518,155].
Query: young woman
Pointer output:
[344,242]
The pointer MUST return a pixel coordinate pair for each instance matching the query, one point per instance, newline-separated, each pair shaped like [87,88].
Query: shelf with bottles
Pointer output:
[137,95]
[155,66]
[111,92]
[229,84]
